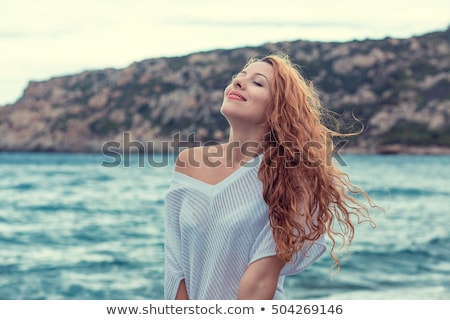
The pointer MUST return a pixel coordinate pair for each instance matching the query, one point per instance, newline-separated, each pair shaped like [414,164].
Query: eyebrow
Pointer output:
[256,73]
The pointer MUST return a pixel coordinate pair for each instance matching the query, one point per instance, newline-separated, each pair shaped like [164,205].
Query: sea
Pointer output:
[89,227]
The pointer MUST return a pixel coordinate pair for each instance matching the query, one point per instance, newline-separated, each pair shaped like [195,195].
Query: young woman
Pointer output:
[242,215]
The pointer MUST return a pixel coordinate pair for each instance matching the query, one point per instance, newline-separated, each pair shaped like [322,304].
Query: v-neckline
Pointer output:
[210,188]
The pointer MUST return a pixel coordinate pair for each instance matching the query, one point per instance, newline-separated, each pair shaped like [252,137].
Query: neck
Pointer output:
[244,144]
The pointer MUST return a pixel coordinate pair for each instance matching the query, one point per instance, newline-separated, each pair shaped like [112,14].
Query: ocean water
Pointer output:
[71,228]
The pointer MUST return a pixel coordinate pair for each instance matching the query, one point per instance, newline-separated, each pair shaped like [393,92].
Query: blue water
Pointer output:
[71,228]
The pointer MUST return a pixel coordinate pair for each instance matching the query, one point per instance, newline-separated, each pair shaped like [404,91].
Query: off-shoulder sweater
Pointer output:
[214,232]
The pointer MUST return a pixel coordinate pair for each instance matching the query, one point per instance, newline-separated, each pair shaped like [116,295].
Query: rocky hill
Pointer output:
[398,88]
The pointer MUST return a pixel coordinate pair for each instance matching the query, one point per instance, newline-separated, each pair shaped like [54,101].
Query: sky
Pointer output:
[40,39]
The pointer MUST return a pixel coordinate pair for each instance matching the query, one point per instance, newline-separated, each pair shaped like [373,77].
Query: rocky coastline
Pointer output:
[399,89]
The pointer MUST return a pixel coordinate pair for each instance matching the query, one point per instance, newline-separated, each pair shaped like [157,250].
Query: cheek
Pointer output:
[227,89]
[264,100]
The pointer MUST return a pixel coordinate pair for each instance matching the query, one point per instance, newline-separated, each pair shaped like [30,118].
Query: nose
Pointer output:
[238,82]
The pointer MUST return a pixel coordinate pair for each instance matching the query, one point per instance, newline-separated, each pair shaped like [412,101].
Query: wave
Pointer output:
[409,293]
[436,247]
[407,192]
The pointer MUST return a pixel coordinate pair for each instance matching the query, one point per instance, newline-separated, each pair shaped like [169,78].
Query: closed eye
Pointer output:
[258,84]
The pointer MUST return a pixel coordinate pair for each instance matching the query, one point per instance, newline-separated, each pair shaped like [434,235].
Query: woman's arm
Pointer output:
[259,281]
[174,283]
[182,292]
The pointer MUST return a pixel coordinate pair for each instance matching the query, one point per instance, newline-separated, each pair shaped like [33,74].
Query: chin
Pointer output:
[229,111]
[226,109]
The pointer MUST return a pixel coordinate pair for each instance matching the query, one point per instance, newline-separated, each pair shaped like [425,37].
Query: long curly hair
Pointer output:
[307,195]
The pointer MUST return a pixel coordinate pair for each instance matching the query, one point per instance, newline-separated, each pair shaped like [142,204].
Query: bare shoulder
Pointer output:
[188,159]
[191,161]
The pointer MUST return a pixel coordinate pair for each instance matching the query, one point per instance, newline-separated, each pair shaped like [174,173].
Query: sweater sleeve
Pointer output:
[265,246]
[173,273]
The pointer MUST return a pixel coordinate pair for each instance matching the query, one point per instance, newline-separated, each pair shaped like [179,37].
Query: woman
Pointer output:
[244,214]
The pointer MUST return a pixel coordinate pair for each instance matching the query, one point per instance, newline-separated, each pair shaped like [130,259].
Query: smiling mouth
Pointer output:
[236,96]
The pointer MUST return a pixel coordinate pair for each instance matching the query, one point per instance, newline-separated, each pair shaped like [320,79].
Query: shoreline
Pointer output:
[396,149]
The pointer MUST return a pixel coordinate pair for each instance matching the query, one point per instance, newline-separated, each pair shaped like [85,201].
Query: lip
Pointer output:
[234,95]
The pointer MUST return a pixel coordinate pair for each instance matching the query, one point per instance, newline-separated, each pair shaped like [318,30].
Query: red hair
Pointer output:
[307,195]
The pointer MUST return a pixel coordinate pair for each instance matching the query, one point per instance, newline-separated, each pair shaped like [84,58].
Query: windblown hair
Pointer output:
[307,194]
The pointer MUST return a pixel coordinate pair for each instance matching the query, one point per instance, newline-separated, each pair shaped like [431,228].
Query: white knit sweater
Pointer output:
[214,232]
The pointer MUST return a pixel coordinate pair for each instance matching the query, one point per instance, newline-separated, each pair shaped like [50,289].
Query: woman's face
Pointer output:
[248,95]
